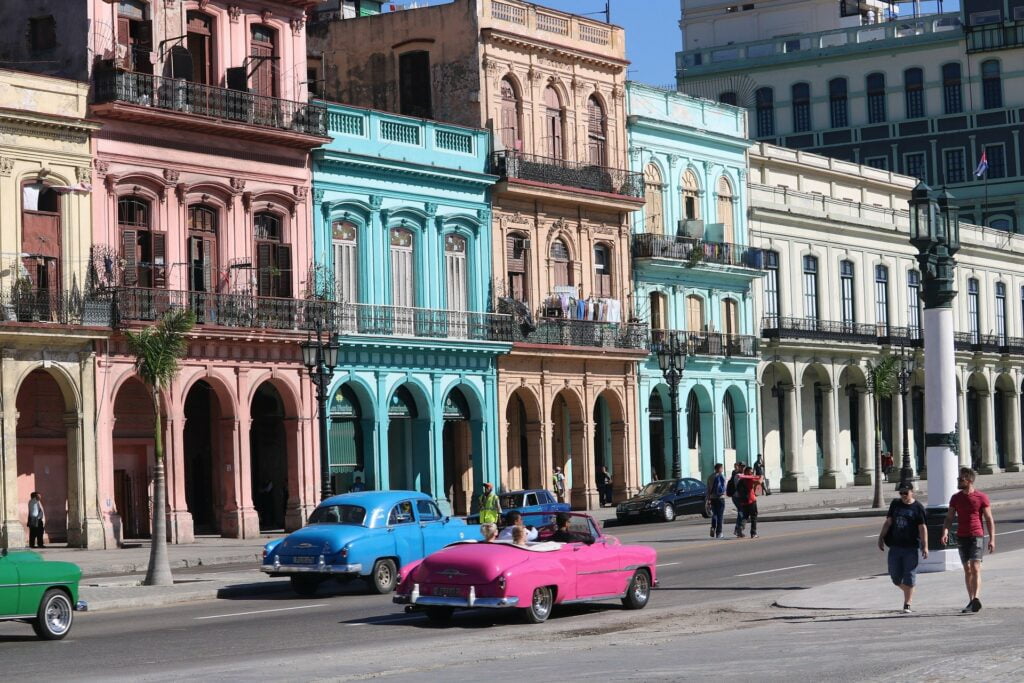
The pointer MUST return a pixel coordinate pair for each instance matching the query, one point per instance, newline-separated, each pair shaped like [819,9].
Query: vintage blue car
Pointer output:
[370,534]
[531,501]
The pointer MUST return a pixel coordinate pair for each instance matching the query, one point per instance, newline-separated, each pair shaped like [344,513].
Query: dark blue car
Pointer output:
[531,500]
[665,499]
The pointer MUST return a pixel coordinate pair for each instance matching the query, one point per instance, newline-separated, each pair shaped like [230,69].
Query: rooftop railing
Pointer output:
[694,252]
[995,37]
[179,95]
[551,171]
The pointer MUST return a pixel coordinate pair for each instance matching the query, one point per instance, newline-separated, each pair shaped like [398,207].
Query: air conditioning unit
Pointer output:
[690,227]
[525,243]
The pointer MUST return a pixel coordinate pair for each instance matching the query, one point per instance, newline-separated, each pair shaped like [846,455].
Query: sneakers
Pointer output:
[968,609]
[753,535]
[719,537]
[907,610]
[975,605]
[740,534]
[712,533]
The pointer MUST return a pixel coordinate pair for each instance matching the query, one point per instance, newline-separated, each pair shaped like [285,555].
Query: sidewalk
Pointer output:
[1002,586]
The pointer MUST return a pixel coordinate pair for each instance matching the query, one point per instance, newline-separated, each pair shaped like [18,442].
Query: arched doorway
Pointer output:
[610,442]
[202,415]
[457,440]
[699,444]
[268,455]
[735,432]
[523,442]
[656,434]
[568,447]
[346,447]
[409,453]
[42,453]
[133,444]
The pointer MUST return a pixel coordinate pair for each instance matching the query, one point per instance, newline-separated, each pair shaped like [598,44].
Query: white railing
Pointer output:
[506,12]
[812,201]
[553,24]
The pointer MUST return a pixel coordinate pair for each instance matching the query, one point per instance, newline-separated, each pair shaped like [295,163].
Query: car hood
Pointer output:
[313,538]
[645,499]
[470,563]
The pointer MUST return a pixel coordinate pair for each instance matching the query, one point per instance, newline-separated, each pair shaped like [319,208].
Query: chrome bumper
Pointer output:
[311,568]
[81,606]
[414,598]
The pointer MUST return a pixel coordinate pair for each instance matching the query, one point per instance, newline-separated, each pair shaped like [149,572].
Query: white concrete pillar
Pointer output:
[1012,415]
[793,478]
[832,477]
[987,442]
[899,435]
[866,472]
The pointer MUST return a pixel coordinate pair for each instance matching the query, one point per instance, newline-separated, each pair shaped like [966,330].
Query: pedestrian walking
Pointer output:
[357,486]
[36,520]
[905,531]
[731,491]
[716,499]
[759,471]
[970,506]
[490,507]
[558,484]
[604,486]
[747,486]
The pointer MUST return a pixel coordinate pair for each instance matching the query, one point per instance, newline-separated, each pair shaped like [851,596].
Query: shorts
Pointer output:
[903,565]
[971,548]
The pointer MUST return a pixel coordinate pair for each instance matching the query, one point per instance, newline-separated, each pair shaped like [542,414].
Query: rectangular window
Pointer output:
[914,304]
[876,98]
[838,103]
[811,287]
[996,161]
[765,105]
[42,33]
[952,92]
[414,84]
[991,85]
[801,107]
[954,165]
[1001,312]
[913,90]
[878,162]
[882,299]
[846,291]
[771,288]
[914,165]
[973,310]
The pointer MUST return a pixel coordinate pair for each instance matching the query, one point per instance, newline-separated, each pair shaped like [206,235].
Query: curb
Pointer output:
[859,512]
[181,563]
[162,599]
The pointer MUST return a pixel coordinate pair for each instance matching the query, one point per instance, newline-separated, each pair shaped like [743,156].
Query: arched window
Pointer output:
[455,272]
[876,97]
[199,41]
[913,92]
[41,236]
[691,196]
[561,266]
[952,89]
[516,258]
[142,249]
[596,132]
[838,103]
[202,248]
[882,299]
[848,309]
[603,270]
[801,96]
[725,210]
[764,100]
[553,124]
[728,422]
[345,248]
[273,256]
[511,115]
[694,313]
[730,317]
[654,222]
[692,421]
[728,97]
[991,85]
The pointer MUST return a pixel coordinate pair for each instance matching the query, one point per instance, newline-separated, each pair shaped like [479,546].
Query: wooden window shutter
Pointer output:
[129,242]
[263,265]
[159,259]
[207,265]
[284,265]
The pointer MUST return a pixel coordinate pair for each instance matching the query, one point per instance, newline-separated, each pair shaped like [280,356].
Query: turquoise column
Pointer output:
[489,436]
[437,444]
[382,455]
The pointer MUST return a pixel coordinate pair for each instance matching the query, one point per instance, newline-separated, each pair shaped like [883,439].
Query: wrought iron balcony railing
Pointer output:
[179,95]
[29,305]
[900,336]
[511,164]
[565,332]
[777,327]
[259,312]
[980,343]
[712,343]
[994,37]
[693,252]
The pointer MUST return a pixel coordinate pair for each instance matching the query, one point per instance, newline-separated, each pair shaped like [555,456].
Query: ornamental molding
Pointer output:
[171,176]
[83,174]
[237,185]
[375,201]
[517,218]
[6,166]
[297,25]
[266,15]
[430,208]
[318,196]
[300,192]
[234,12]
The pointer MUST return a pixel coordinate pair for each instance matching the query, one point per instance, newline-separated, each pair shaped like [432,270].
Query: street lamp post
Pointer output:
[905,377]
[672,352]
[320,358]
[935,231]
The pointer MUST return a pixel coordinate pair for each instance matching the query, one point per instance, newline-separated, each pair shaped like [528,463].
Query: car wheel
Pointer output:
[439,614]
[305,585]
[639,591]
[384,577]
[53,620]
[540,606]
[668,513]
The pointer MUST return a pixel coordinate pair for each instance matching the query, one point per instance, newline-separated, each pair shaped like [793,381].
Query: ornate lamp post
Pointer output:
[320,359]
[935,231]
[672,352]
[905,377]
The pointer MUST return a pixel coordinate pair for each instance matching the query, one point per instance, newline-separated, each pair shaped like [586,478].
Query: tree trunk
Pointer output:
[159,571]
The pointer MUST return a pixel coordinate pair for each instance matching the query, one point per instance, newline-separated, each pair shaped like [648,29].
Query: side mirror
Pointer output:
[446,519]
[589,540]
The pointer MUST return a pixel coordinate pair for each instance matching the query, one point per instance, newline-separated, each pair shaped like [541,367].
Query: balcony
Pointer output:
[563,332]
[712,343]
[981,343]
[27,305]
[994,37]
[510,165]
[813,329]
[693,252]
[248,312]
[178,103]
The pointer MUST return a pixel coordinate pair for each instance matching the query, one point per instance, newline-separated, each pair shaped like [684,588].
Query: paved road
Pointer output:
[707,586]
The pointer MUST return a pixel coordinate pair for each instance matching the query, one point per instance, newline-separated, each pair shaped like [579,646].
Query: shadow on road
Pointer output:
[732,588]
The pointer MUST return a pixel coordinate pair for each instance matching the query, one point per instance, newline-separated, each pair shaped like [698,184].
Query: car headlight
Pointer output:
[654,504]
[620,507]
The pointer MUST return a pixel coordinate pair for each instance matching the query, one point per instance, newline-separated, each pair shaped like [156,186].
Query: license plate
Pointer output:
[446,591]
[302,560]
[634,512]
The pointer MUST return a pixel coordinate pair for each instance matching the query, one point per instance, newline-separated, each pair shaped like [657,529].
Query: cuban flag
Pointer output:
[982,166]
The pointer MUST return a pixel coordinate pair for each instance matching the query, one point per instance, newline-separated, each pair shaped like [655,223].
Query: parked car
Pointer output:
[370,534]
[39,592]
[532,500]
[665,499]
[533,578]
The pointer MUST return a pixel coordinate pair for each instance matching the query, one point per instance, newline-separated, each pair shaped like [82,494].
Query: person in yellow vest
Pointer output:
[490,508]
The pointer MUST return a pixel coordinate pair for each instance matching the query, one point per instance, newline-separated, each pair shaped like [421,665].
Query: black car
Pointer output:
[664,500]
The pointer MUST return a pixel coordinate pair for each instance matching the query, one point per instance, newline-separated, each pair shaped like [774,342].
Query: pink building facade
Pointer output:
[201,178]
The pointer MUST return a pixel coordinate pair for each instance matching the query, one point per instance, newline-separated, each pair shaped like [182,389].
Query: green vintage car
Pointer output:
[42,593]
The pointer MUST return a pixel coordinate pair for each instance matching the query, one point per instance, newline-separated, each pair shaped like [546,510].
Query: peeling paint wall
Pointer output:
[74,33]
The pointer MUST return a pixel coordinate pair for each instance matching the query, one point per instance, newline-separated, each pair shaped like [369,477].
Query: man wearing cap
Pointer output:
[905,532]
[558,484]
[490,507]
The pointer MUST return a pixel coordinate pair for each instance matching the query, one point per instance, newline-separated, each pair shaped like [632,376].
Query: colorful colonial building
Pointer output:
[403,235]
[693,268]
[550,87]
[50,332]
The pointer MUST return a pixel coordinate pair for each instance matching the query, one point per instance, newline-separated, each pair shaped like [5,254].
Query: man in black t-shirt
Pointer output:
[905,532]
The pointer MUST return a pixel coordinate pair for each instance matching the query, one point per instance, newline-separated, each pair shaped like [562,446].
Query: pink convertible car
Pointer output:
[570,561]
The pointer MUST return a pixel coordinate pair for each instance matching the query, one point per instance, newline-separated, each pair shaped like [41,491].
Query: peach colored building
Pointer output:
[550,87]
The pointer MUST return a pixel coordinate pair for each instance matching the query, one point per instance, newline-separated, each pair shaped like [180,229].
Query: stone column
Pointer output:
[965,431]
[899,435]
[832,477]
[179,522]
[1012,413]
[866,408]
[793,478]
[987,442]
[13,533]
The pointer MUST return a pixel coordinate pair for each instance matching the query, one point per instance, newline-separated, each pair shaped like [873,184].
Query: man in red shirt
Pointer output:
[970,506]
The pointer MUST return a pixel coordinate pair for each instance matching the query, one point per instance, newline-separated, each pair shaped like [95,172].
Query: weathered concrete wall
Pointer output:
[74,34]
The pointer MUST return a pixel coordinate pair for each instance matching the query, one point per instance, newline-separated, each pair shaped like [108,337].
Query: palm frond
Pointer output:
[159,348]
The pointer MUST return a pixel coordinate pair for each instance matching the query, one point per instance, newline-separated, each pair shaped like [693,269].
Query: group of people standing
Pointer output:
[743,487]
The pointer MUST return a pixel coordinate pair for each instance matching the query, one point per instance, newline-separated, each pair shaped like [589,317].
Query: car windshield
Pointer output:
[511,501]
[338,514]
[657,488]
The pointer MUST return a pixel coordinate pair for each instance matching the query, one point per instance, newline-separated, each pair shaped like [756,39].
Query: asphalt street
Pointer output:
[715,596]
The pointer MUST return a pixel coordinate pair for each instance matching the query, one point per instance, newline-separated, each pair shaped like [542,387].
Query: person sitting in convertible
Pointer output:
[513,521]
[563,534]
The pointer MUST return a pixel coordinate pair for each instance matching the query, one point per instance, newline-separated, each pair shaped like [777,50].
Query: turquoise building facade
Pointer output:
[693,272]
[402,242]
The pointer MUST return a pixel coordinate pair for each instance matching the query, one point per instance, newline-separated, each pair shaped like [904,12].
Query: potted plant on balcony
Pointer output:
[695,256]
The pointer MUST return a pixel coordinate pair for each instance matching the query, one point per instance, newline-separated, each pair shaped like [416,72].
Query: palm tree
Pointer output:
[157,350]
[881,382]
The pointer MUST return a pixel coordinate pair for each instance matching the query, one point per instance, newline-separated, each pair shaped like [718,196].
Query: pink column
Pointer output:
[180,520]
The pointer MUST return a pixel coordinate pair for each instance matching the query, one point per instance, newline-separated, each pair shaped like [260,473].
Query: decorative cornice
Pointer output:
[171,176]
[83,174]
[45,127]
[434,173]
[234,12]
[237,184]
[297,25]
[6,166]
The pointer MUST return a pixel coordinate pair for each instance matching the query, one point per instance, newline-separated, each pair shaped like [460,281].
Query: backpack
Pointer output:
[742,490]
[730,488]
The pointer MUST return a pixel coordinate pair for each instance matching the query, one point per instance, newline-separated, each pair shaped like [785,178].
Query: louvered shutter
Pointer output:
[263,265]
[129,242]
[207,265]
[159,259]
[284,265]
